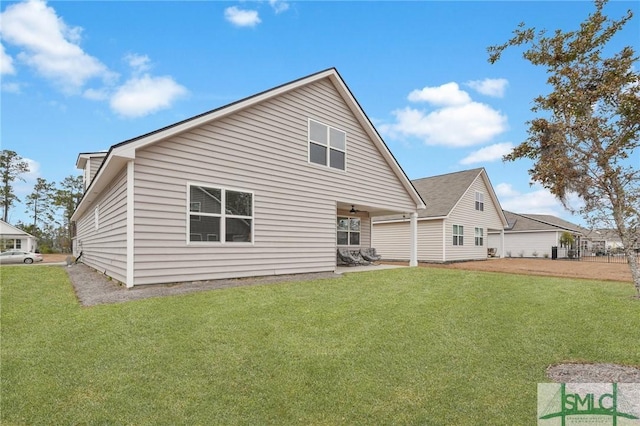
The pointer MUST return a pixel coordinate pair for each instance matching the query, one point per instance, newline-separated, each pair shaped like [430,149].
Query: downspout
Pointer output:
[130,220]
[413,257]
[502,243]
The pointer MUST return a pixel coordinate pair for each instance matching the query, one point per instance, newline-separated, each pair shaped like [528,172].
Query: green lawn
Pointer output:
[406,346]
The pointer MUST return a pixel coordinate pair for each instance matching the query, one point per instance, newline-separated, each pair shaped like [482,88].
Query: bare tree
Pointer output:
[589,124]
[12,167]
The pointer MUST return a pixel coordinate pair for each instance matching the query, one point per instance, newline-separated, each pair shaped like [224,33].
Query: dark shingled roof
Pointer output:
[538,222]
[441,193]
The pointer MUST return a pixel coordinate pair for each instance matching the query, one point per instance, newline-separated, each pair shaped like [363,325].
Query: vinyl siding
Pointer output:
[392,239]
[464,213]
[524,244]
[95,163]
[104,249]
[262,149]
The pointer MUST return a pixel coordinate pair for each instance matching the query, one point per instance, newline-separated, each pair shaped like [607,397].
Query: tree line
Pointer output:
[49,206]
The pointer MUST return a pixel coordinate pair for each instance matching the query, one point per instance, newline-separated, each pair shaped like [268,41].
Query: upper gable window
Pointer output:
[479,201]
[327,145]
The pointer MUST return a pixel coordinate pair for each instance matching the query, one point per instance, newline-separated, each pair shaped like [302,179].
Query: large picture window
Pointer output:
[327,146]
[220,215]
[348,231]
[458,235]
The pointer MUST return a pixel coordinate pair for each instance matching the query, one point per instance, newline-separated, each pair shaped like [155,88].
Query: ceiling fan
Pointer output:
[353,209]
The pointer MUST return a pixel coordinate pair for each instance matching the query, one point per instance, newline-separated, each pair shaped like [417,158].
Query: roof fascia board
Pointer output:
[368,126]
[494,198]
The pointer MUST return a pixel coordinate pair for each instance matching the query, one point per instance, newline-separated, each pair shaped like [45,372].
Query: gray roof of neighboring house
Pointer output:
[538,222]
[441,193]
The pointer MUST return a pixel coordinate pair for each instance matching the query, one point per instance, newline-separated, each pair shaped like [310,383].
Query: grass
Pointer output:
[407,346]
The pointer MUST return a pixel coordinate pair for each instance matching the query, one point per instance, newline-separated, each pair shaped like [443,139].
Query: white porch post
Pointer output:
[413,260]
[501,243]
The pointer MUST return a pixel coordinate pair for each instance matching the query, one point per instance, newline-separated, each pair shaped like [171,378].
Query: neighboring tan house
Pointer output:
[15,238]
[461,208]
[534,235]
[271,184]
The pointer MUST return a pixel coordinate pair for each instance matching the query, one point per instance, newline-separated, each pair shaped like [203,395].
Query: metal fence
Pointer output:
[591,256]
[588,256]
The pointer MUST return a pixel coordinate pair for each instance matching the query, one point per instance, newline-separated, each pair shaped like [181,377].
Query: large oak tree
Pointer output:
[585,136]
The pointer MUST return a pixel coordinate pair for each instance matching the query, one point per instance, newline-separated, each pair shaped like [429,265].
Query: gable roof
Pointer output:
[538,222]
[6,229]
[119,154]
[443,192]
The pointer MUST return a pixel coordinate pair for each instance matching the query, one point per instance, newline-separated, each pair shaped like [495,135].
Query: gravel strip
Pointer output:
[94,288]
[593,373]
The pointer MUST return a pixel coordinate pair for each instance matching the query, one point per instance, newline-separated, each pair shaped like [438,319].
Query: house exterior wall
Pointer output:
[390,239]
[465,214]
[525,244]
[262,149]
[94,165]
[104,246]
[19,242]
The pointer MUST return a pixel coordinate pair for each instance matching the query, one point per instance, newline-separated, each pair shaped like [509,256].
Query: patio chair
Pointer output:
[370,254]
[349,258]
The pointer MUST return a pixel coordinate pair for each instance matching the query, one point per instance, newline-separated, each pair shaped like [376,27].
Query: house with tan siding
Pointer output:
[461,209]
[534,235]
[271,184]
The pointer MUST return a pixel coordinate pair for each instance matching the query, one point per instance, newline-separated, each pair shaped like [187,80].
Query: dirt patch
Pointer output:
[593,373]
[55,257]
[546,267]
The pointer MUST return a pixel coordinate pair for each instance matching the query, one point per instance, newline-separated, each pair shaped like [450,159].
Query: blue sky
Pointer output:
[82,76]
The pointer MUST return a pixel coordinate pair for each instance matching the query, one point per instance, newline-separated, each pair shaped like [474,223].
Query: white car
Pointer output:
[19,256]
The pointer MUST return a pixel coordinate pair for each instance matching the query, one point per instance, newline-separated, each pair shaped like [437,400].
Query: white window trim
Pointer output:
[479,199]
[223,215]
[476,236]
[454,235]
[327,163]
[349,232]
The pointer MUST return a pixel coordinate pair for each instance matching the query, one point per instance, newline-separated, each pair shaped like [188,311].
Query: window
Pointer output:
[458,235]
[327,146]
[220,215]
[348,231]
[479,201]
[479,236]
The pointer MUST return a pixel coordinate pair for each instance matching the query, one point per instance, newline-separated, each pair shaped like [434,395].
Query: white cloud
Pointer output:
[139,63]
[456,120]
[505,190]
[144,95]
[490,87]
[454,126]
[489,153]
[445,95]
[6,62]
[538,201]
[242,17]
[49,45]
[279,6]
[11,87]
